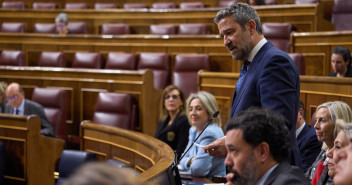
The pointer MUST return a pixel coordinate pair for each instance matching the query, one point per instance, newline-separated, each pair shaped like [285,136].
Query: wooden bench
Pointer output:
[144,153]
[304,17]
[30,157]
[314,90]
[320,44]
[83,85]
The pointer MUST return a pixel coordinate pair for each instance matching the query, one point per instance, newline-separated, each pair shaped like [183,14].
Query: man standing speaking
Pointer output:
[268,77]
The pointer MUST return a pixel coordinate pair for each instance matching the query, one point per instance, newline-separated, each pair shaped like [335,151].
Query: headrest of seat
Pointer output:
[164,5]
[49,97]
[342,7]
[52,59]
[70,160]
[42,5]
[225,3]
[116,29]
[277,30]
[192,28]
[154,61]
[190,5]
[191,62]
[163,29]
[44,28]
[13,27]
[14,58]
[121,61]
[104,5]
[87,60]
[134,5]
[306,1]
[78,27]
[13,4]
[298,59]
[122,103]
[76,6]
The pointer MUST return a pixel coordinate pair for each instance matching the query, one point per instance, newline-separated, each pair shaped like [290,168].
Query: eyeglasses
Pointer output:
[11,98]
[60,25]
[175,97]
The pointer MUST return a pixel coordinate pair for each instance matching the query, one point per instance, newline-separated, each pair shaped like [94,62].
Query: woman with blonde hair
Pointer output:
[325,127]
[200,108]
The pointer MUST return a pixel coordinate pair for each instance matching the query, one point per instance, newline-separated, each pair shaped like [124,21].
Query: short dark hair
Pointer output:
[241,13]
[301,106]
[344,52]
[263,125]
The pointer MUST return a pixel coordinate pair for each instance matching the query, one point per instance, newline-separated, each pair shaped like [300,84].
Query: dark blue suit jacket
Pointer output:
[272,81]
[309,146]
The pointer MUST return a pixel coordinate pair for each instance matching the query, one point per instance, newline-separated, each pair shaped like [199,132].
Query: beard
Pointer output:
[245,49]
[249,174]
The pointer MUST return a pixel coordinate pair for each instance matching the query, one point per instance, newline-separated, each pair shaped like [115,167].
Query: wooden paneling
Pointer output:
[320,43]
[314,90]
[304,17]
[84,84]
[30,157]
[145,153]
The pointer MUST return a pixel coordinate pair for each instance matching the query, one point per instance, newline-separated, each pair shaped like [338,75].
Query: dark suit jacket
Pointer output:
[309,146]
[285,174]
[272,81]
[33,108]
[175,135]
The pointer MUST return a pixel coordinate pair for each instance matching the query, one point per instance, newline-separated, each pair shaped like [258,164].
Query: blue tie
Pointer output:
[17,111]
[242,75]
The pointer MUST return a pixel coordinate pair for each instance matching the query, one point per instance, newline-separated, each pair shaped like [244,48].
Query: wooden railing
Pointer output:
[146,154]
[314,90]
[320,43]
[30,157]
[304,17]
[83,85]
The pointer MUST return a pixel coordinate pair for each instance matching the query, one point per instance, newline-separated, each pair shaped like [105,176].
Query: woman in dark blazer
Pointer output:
[173,124]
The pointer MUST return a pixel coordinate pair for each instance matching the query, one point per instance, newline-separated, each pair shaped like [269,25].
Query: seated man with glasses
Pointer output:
[61,22]
[17,104]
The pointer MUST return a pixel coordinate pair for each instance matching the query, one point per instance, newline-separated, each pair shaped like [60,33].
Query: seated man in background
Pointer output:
[61,22]
[341,62]
[17,104]
[258,147]
[307,140]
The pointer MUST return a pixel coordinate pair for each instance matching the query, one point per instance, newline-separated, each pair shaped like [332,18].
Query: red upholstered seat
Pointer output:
[306,1]
[104,5]
[44,28]
[115,29]
[163,29]
[298,59]
[13,27]
[13,4]
[125,61]
[115,109]
[342,15]
[278,34]
[191,5]
[87,60]
[225,3]
[12,58]
[52,59]
[76,6]
[185,75]
[164,5]
[160,64]
[192,29]
[44,5]
[78,27]
[270,2]
[134,5]
[54,102]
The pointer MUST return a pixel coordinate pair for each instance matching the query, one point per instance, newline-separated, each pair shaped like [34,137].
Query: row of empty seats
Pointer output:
[110,28]
[113,109]
[159,5]
[184,73]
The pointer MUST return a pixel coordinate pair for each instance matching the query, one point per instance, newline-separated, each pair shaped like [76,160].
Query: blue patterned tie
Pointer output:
[242,75]
[17,111]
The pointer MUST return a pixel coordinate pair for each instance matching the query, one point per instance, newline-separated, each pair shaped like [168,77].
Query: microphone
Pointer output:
[211,120]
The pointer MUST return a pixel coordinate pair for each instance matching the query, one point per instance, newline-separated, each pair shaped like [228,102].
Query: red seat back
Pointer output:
[163,29]
[13,4]
[13,27]
[12,58]
[87,60]
[298,59]
[44,28]
[104,5]
[76,6]
[52,59]
[192,29]
[115,29]
[44,5]
[54,102]
[278,34]
[191,5]
[78,27]
[342,15]
[125,61]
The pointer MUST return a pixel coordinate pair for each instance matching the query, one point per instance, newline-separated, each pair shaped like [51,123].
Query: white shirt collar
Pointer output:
[299,130]
[266,175]
[256,49]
